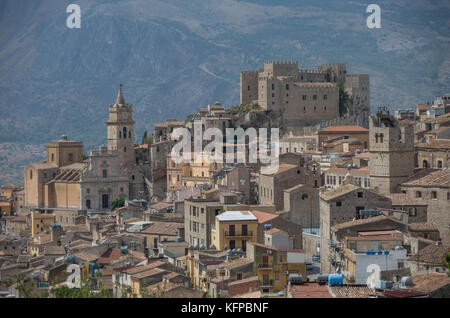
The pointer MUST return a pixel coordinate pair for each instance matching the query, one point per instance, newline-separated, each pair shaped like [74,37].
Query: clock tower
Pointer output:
[121,130]
[392,155]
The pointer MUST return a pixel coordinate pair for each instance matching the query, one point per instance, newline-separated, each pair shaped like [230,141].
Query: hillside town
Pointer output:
[358,205]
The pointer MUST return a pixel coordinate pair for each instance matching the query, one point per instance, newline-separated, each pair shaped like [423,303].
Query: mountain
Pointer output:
[174,56]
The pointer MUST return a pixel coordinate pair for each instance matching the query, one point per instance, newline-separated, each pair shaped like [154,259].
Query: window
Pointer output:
[287,86]
[412,211]
[105,173]
[53,157]
[70,157]
[425,164]
[125,149]
[418,194]
[273,86]
[304,97]
[232,244]
[325,97]
[124,132]
[339,203]
[129,134]
[433,194]
[88,204]
[314,97]
[88,190]
[360,194]
[31,174]
[439,164]
[120,134]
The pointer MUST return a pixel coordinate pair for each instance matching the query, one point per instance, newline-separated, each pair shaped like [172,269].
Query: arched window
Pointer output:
[31,174]
[124,132]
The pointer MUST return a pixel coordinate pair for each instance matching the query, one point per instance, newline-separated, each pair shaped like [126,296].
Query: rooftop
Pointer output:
[310,290]
[263,217]
[429,178]
[432,254]
[236,216]
[344,129]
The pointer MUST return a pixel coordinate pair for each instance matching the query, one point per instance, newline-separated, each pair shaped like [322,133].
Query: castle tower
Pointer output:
[392,155]
[121,130]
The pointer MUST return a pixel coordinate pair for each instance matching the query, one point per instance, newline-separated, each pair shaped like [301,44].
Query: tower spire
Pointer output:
[120,100]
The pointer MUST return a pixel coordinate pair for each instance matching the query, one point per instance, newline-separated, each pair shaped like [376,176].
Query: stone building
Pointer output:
[343,204]
[392,156]
[65,182]
[435,154]
[342,133]
[301,202]
[302,95]
[272,185]
[432,187]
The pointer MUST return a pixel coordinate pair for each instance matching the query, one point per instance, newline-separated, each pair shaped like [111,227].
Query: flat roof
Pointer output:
[236,216]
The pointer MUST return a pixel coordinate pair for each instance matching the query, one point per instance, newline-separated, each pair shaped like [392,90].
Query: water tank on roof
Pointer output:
[239,250]
[190,247]
[202,247]
[383,284]
[295,279]
[267,227]
[322,279]
[358,151]
[366,150]
[406,281]
[335,279]
[124,249]
[349,166]
[212,247]
[399,248]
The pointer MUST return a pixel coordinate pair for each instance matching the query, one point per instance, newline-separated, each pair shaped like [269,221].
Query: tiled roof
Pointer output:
[54,250]
[310,290]
[430,178]
[110,255]
[166,228]
[236,263]
[147,273]
[375,238]
[86,257]
[244,281]
[138,269]
[344,129]
[436,144]
[282,168]
[339,191]
[430,282]
[422,226]
[363,221]
[263,217]
[349,291]
[364,170]
[432,254]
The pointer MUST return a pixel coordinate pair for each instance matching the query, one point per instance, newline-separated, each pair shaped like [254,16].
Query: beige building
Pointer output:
[432,187]
[64,182]
[343,204]
[302,95]
[392,157]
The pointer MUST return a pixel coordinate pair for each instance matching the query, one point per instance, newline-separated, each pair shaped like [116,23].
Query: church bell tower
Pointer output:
[121,130]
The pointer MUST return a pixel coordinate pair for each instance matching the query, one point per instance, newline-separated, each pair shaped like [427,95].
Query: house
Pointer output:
[273,265]
[233,229]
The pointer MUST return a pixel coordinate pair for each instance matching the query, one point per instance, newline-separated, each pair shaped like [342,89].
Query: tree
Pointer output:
[343,99]
[120,202]
[447,262]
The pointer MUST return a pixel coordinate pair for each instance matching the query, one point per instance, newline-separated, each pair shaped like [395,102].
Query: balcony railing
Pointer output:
[265,266]
[237,234]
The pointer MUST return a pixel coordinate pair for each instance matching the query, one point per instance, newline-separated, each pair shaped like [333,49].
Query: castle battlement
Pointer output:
[281,62]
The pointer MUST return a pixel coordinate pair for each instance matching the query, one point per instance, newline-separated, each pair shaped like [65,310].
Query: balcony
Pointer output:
[238,234]
[265,266]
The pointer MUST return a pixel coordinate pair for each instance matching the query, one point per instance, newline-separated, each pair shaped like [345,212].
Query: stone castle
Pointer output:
[306,97]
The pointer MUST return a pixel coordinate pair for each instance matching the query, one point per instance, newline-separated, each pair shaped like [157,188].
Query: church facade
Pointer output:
[64,183]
